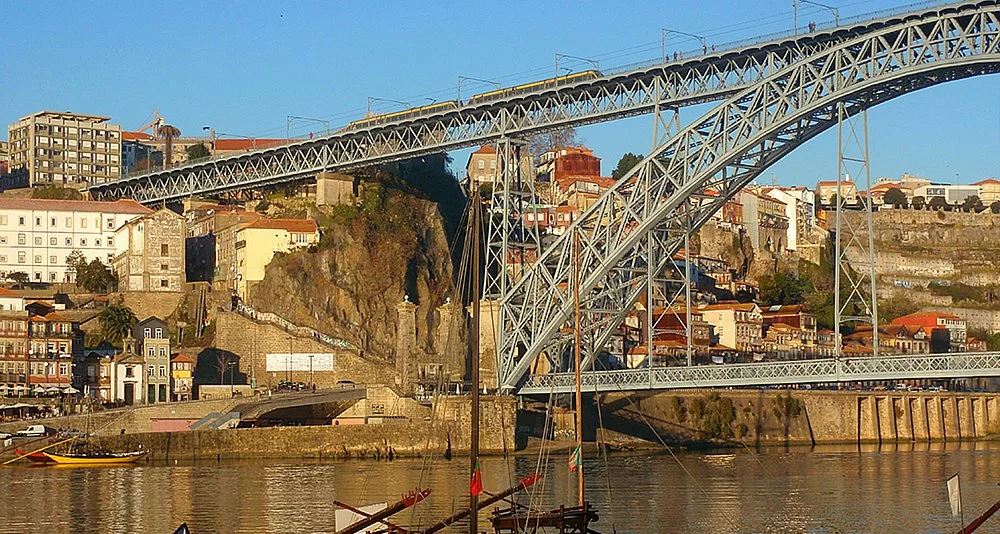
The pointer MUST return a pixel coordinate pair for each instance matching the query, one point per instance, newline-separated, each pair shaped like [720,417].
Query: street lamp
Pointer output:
[596,64]
[311,381]
[215,134]
[232,388]
[667,31]
[471,79]
[373,99]
[795,13]
[289,119]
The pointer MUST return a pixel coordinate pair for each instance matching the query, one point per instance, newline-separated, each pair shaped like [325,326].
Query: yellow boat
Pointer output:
[96,459]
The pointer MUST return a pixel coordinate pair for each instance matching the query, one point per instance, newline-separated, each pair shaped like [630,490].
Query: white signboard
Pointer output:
[342,517]
[299,361]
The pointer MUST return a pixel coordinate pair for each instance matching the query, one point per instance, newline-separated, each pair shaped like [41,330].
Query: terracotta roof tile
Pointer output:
[118,206]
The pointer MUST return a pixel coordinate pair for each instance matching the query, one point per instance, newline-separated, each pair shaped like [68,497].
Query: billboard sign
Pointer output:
[299,361]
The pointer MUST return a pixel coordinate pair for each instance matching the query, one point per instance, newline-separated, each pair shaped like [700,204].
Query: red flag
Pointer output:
[476,483]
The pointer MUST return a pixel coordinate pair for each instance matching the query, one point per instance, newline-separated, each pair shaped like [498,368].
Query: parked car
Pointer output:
[343,384]
[35,431]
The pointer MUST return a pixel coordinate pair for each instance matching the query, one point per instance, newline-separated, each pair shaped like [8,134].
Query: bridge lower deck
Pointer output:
[820,371]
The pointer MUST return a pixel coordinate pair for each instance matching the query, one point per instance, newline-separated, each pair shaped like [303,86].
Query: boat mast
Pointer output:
[576,350]
[473,236]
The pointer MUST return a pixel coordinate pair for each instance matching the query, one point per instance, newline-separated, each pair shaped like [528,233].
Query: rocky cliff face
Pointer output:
[370,258]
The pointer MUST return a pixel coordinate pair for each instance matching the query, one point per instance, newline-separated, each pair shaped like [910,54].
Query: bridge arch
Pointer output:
[641,220]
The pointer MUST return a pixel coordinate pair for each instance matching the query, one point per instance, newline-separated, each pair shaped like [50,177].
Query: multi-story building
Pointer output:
[765,221]
[213,237]
[66,149]
[181,377]
[258,241]
[482,165]
[827,189]
[947,331]
[737,326]
[97,378]
[794,325]
[557,165]
[128,374]
[952,194]
[149,253]
[799,213]
[152,343]
[4,157]
[36,236]
[989,190]
[137,148]
[14,350]
[55,349]
[903,339]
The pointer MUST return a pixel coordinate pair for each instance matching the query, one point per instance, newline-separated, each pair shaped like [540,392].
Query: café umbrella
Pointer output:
[70,390]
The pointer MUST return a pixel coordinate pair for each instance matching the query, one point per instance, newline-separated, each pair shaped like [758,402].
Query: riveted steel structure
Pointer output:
[640,222]
[827,370]
[533,108]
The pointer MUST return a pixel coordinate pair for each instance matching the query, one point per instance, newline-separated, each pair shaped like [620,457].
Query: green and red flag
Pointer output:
[476,482]
[575,459]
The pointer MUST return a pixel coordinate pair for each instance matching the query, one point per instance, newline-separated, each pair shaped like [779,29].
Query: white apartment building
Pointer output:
[70,149]
[37,235]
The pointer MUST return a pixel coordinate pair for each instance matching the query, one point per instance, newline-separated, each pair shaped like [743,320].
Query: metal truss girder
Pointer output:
[614,96]
[725,150]
[829,370]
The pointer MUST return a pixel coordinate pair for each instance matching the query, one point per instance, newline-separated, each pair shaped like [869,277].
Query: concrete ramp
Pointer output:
[328,402]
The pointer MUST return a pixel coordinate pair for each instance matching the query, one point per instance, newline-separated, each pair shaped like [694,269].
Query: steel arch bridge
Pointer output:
[635,227]
[629,91]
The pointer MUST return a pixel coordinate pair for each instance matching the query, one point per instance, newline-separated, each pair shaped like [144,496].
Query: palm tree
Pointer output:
[116,322]
[168,133]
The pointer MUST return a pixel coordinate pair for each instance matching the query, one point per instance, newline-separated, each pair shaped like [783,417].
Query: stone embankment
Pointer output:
[763,417]
[446,433]
[131,419]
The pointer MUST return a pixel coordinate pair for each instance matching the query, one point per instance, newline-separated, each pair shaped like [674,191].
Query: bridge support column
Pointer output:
[335,189]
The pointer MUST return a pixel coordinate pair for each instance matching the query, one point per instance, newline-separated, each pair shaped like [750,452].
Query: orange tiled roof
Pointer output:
[182,358]
[988,181]
[729,306]
[298,226]
[486,149]
[136,136]
[118,206]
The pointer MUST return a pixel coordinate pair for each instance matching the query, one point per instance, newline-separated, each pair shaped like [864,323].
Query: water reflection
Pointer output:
[828,489]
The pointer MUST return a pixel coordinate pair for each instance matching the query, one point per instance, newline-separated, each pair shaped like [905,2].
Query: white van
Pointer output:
[35,431]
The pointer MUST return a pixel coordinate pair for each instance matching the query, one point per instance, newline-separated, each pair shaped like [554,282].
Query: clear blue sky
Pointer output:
[243,67]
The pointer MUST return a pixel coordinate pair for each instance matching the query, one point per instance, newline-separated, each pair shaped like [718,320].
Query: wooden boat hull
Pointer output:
[125,458]
[36,457]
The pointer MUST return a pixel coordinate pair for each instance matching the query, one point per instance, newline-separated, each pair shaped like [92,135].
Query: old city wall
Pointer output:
[251,341]
[738,417]
[447,433]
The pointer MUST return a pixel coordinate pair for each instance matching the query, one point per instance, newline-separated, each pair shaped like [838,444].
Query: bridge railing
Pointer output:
[826,370]
[290,327]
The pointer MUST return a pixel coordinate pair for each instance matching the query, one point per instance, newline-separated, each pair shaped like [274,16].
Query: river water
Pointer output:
[837,489]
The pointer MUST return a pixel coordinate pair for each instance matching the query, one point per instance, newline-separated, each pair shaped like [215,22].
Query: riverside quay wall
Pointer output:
[746,417]
[446,433]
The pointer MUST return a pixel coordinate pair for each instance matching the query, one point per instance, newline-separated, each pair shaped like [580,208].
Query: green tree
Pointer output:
[995,207]
[833,201]
[919,202]
[76,263]
[196,152]
[782,288]
[972,203]
[19,278]
[625,164]
[94,277]
[116,322]
[895,197]
[937,203]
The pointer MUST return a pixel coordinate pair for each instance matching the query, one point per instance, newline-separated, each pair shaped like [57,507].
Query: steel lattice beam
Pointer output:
[829,370]
[619,95]
[725,150]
